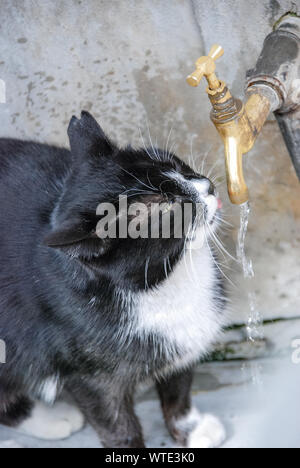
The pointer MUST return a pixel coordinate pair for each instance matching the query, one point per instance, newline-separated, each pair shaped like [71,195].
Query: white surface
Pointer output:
[253,414]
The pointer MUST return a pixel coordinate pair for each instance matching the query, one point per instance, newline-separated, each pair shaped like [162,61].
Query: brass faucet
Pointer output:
[238,124]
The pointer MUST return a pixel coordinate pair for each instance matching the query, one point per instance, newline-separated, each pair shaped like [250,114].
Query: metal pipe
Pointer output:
[279,67]
[289,124]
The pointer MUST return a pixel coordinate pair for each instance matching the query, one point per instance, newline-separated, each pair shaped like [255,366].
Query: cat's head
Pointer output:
[149,191]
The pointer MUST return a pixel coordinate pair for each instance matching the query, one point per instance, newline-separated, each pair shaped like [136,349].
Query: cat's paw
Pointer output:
[55,422]
[203,430]
[208,433]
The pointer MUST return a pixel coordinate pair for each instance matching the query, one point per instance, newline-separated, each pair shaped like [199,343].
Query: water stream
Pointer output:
[254,318]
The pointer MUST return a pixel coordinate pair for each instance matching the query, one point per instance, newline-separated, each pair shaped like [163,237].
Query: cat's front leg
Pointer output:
[175,396]
[110,410]
[187,426]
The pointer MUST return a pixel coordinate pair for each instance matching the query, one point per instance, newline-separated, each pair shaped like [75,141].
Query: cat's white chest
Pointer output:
[182,310]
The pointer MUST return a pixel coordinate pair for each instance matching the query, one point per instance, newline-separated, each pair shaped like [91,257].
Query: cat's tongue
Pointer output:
[220,204]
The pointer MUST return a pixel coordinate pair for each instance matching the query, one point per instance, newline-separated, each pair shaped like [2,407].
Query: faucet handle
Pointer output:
[206,66]
[216,52]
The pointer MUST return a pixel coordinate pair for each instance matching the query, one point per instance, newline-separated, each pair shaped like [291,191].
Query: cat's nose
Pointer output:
[204,187]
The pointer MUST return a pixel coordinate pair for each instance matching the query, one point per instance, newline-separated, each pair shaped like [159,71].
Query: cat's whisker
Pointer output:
[221,226]
[191,258]
[166,268]
[161,184]
[150,183]
[225,214]
[215,241]
[191,235]
[185,250]
[212,169]
[218,179]
[135,190]
[136,193]
[146,273]
[166,154]
[171,152]
[197,221]
[136,178]
[192,160]
[220,245]
[217,263]
[204,161]
[151,142]
[223,221]
[145,147]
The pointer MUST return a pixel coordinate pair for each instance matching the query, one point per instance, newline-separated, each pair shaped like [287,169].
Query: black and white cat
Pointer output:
[98,316]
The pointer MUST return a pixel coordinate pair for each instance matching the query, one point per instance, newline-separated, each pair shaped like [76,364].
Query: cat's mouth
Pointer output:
[219,208]
[206,225]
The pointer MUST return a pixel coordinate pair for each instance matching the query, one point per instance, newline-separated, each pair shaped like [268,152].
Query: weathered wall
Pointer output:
[126,62]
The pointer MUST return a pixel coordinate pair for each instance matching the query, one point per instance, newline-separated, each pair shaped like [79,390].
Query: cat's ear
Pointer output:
[87,138]
[77,242]
[66,235]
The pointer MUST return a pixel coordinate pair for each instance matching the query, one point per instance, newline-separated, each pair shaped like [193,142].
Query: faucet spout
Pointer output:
[237,188]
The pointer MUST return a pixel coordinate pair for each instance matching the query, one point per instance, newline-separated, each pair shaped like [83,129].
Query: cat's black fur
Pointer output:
[62,289]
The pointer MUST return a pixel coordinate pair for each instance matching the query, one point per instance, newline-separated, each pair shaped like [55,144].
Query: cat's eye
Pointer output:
[178,166]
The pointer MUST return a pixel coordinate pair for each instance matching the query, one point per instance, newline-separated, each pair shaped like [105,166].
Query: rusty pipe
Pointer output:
[279,67]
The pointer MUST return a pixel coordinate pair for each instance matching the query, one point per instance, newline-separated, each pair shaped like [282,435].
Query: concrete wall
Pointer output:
[126,62]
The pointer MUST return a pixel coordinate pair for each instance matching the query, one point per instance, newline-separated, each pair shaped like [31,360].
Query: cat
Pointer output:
[98,316]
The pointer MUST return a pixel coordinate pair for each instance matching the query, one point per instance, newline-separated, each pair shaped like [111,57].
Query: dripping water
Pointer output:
[254,319]
[241,249]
